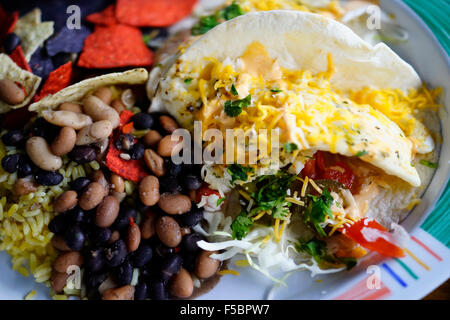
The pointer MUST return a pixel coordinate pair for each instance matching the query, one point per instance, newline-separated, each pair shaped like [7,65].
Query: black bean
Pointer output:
[94,261]
[124,274]
[157,290]
[48,178]
[189,261]
[172,169]
[94,280]
[124,142]
[192,182]
[137,151]
[13,138]
[123,220]
[25,167]
[142,255]
[116,253]
[79,184]
[75,215]
[82,154]
[142,121]
[58,224]
[100,236]
[189,242]
[161,250]
[170,184]
[74,238]
[11,162]
[44,129]
[140,291]
[170,266]
[11,42]
[192,217]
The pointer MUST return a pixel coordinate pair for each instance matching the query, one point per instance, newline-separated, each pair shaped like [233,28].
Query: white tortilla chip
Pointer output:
[32,32]
[10,70]
[76,92]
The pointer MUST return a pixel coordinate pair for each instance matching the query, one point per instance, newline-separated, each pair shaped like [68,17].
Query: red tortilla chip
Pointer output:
[106,17]
[114,47]
[133,170]
[7,22]
[18,57]
[154,13]
[57,80]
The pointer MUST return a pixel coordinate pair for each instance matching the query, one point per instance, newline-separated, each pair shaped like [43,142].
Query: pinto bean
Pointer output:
[67,119]
[166,146]
[39,152]
[64,142]
[148,225]
[149,190]
[92,196]
[70,106]
[98,110]
[115,235]
[59,243]
[133,237]
[10,92]
[104,94]
[168,123]
[98,176]
[24,186]
[168,231]
[66,201]
[152,138]
[154,162]
[58,280]
[182,285]
[205,266]
[122,293]
[118,105]
[174,203]
[107,212]
[117,183]
[67,259]
[96,132]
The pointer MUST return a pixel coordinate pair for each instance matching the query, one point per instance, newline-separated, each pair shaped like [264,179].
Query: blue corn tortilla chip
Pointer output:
[41,64]
[62,58]
[68,41]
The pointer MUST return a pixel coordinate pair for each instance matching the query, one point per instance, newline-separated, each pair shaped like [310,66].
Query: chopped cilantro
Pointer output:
[188,80]
[290,147]
[238,172]
[362,153]
[232,11]
[428,164]
[234,108]
[318,250]
[204,25]
[318,209]
[234,91]
[241,226]
[220,200]
[208,22]
[275,90]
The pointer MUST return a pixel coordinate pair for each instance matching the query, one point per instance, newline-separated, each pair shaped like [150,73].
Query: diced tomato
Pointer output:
[310,169]
[205,191]
[319,168]
[373,236]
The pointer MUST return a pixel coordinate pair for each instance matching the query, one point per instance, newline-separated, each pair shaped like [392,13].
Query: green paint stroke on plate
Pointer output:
[408,269]
[436,15]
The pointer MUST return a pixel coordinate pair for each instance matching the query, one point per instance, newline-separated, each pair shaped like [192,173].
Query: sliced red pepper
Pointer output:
[310,170]
[373,236]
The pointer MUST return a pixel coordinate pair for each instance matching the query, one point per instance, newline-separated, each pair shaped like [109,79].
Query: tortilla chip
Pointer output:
[76,92]
[10,70]
[32,32]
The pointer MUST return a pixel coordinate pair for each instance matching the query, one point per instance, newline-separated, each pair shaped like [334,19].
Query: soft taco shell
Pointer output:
[76,92]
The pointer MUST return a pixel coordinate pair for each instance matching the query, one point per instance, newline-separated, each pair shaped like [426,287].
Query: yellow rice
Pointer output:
[24,220]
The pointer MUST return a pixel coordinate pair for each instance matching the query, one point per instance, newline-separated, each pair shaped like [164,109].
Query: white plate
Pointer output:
[428,263]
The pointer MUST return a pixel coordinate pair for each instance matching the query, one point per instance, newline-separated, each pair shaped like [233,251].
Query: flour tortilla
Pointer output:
[76,92]
[10,70]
